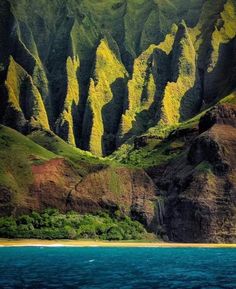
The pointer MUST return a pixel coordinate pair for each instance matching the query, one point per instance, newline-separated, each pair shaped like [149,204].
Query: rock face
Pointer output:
[99,73]
[223,114]
[32,178]
[57,185]
[200,187]
[191,198]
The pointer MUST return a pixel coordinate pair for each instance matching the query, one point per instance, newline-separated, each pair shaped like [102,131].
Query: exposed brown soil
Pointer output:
[57,184]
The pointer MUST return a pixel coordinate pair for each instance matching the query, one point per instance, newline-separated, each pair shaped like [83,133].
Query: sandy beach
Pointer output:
[91,243]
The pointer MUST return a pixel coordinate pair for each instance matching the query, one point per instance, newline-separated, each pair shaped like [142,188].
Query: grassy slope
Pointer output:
[159,149]
[83,161]
[156,151]
[17,153]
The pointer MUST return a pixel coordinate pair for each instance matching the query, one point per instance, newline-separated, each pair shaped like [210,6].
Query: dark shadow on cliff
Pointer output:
[111,115]
[221,80]
[191,102]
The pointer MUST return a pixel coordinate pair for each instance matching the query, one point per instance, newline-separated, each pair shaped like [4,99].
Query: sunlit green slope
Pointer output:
[99,72]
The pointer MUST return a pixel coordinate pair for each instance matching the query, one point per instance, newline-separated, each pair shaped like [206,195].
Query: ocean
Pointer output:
[117,268]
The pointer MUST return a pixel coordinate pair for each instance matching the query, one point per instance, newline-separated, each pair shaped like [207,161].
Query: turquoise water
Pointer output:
[117,268]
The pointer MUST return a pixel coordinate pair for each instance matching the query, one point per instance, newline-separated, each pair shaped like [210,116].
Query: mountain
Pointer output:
[147,84]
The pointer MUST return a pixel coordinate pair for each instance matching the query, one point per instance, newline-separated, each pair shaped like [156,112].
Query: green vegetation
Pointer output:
[82,160]
[144,88]
[128,79]
[157,148]
[105,99]
[230,98]
[100,72]
[17,154]
[66,122]
[142,79]
[51,224]
[180,95]
[30,105]
[155,152]
[204,167]
[225,33]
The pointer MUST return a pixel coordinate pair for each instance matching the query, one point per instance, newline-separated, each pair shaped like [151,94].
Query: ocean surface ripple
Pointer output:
[117,268]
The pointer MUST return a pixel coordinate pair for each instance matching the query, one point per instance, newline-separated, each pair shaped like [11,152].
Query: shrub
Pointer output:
[51,224]
[115,233]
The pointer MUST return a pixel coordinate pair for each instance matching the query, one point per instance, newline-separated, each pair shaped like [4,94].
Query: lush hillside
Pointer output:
[100,72]
[121,105]
[43,172]
[17,154]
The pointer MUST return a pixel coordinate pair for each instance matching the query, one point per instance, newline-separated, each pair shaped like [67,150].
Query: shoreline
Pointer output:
[94,243]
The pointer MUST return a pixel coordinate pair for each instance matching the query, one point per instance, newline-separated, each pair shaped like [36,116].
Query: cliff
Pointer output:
[99,73]
[53,174]
[148,84]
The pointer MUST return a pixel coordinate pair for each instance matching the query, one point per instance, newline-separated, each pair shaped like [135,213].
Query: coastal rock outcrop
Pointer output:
[200,187]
